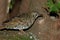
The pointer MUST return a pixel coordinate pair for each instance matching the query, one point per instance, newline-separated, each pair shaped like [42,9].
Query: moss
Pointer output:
[13,35]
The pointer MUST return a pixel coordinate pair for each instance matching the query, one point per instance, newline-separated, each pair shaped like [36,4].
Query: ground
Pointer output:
[44,28]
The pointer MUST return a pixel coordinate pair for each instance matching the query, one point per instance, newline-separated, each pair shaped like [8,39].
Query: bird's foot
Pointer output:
[21,32]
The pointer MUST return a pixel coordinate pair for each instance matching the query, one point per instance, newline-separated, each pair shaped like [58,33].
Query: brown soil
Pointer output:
[45,28]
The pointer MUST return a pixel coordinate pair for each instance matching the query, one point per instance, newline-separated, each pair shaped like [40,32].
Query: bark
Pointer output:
[3,12]
[20,7]
[24,7]
[15,10]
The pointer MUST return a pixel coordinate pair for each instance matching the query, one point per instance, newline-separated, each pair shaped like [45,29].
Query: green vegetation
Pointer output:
[14,35]
[24,37]
[11,4]
[53,7]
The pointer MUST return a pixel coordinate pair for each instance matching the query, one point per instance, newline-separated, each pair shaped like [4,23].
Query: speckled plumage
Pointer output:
[24,21]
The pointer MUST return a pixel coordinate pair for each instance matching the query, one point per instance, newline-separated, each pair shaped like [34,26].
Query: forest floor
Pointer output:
[43,28]
[46,29]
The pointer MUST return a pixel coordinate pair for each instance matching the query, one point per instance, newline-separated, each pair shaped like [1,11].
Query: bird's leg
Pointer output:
[21,32]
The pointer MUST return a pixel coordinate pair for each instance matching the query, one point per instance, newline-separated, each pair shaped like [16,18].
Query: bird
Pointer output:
[23,21]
